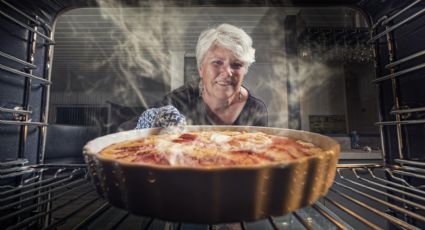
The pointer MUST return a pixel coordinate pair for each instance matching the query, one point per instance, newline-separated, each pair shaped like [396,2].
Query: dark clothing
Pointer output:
[189,103]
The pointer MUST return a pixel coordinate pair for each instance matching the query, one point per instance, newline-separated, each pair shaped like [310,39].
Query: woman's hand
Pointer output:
[161,117]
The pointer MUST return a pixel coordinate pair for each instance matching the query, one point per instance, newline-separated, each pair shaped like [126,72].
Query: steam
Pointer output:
[144,40]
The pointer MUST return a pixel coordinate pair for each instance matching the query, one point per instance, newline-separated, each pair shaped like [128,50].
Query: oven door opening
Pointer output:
[313,67]
[352,72]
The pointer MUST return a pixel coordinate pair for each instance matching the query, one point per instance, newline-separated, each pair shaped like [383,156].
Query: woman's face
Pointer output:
[222,73]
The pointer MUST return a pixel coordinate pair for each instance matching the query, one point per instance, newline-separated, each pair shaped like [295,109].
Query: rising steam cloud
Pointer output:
[145,37]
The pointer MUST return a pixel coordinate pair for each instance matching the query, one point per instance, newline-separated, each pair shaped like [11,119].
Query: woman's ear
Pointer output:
[200,72]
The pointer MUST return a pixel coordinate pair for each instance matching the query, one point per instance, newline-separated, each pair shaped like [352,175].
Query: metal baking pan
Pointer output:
[213,195]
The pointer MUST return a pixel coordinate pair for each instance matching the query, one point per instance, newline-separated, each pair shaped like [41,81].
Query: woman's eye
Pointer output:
[218,62]
[237,65]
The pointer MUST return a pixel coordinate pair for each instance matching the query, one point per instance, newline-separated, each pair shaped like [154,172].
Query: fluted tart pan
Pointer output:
[213,195]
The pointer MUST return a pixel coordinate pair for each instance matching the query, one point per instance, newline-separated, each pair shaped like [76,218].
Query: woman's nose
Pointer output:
[227,69]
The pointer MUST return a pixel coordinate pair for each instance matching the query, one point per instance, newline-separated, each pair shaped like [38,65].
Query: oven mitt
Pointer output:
[161,117]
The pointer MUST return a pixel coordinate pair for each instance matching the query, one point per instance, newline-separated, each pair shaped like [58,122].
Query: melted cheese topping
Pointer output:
[211,148]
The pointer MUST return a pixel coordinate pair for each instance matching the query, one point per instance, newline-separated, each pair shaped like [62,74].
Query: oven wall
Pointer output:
[405,91]
[406,88]
[16,41]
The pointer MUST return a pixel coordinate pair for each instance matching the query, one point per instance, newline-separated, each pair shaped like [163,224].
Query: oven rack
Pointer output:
[62,196]
[33,71]
[383,33]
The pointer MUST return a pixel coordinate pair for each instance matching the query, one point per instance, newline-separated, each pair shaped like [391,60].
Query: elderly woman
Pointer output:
[223,56]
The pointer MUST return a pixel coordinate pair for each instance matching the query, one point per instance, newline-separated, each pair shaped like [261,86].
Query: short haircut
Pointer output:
[229,37]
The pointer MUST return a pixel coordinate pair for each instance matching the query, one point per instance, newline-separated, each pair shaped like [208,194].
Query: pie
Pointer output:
[211,149]
[212,174]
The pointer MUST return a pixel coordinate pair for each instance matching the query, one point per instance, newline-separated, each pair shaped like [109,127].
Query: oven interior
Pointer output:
[75,70]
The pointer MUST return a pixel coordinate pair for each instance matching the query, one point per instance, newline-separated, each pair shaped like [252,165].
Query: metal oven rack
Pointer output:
[399,162]
[62,197]
[39,32]
[384,28]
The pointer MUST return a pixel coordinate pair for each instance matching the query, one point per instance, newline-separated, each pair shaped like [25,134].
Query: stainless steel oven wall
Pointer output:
[400,77]
[26,47]
[23,81]
[400,50]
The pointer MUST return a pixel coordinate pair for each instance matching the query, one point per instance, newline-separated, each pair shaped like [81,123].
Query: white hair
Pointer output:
[229,37]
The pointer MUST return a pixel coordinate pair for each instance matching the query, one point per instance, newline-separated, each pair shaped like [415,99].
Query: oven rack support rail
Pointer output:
[51,196]
[385,28]
[40,32]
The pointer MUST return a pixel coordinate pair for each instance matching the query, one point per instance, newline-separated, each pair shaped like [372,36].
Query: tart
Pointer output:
[211,149]
[212,174]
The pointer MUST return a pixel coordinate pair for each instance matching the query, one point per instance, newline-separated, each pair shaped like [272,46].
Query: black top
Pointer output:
[189,103]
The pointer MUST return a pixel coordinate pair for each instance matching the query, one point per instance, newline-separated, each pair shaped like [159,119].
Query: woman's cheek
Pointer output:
[212,72]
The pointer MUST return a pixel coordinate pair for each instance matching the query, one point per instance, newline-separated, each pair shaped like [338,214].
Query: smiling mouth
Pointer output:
[223,83]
